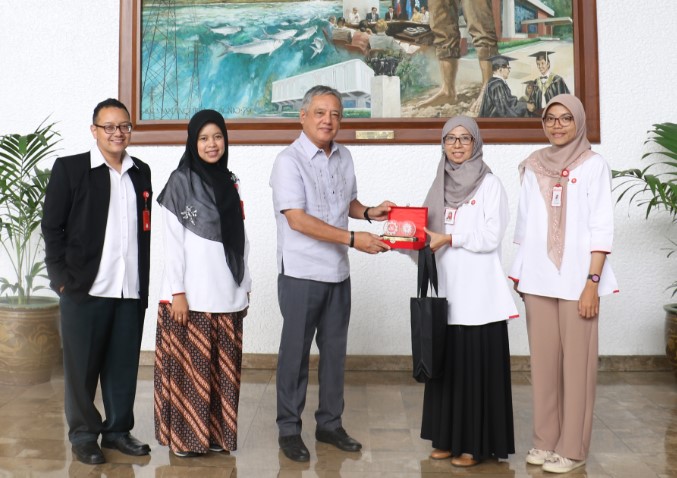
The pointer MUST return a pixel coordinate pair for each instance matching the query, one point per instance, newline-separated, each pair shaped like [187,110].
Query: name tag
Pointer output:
[556,196]
[450,215]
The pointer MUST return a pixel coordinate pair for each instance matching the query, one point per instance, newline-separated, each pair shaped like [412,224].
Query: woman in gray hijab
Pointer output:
[467,413]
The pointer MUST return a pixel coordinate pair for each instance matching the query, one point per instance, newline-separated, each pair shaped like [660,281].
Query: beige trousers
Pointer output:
[563,373]
[444,24]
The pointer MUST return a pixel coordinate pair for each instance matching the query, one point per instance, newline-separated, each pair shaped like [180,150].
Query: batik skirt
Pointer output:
[197,380]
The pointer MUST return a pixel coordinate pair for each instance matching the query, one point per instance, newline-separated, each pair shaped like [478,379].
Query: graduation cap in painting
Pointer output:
[498,61]
[542,55]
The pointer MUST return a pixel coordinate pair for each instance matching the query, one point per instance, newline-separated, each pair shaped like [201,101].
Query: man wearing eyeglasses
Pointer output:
[96,225]
[498,100]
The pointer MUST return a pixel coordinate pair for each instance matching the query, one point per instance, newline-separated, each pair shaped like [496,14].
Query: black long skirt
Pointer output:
[469,409]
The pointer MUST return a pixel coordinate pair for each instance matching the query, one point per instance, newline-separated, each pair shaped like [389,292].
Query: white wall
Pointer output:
[59,59]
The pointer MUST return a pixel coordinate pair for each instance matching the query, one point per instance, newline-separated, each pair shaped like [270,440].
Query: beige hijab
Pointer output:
[548,165]
[455,183]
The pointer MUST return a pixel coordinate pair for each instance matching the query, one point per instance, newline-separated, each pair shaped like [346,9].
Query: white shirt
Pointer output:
[198,267]
[589,227]
[470,274]
[118,274]
[303,177]
[354,17]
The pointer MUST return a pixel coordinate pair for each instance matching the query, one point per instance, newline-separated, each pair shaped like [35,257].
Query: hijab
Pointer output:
[549,163]
[455,183]
[204,196]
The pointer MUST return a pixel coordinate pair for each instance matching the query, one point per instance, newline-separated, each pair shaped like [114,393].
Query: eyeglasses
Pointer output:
[125,128]
[465,139]
[563,120]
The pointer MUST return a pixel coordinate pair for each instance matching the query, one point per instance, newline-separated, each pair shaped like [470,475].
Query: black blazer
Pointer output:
[74,223]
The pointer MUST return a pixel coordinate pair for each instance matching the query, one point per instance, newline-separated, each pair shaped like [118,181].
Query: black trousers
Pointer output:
[101,341]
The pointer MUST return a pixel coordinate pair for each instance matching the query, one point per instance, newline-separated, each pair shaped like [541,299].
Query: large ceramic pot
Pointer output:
[671,334]
[29,340]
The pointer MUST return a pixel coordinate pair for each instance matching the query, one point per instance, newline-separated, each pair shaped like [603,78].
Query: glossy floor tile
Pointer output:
[634,435]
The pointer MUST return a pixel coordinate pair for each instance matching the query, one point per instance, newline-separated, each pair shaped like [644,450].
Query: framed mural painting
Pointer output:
[253,60]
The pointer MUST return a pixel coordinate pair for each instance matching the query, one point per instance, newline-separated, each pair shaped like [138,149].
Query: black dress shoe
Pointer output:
[127,444]
[88,453]
[293,448]
[339,438]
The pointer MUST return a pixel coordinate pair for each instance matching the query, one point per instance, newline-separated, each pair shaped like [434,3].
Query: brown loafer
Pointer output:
[464,460]
[440,454]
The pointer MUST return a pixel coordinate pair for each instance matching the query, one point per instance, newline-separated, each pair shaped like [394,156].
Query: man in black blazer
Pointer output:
[373,16]
[96,225]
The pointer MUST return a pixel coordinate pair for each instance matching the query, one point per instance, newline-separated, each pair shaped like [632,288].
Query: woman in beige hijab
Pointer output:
[564,231]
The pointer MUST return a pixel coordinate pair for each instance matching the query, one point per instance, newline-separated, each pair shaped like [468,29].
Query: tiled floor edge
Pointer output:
[519,363]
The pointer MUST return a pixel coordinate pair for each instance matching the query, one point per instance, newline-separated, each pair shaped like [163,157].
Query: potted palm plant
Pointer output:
[29,339]
[655,188]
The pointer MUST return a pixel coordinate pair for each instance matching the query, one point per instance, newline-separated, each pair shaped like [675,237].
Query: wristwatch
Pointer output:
[594,278]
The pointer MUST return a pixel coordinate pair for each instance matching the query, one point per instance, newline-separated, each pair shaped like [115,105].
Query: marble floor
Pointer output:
[634,436]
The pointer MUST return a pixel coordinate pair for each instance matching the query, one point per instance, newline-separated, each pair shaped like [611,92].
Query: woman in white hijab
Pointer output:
[467,413]
[565,231]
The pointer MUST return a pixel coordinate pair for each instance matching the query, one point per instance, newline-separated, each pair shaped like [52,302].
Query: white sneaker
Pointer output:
[562,465]
[538,457]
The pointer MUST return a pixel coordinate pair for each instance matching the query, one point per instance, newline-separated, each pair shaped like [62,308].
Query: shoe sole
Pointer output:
[535,461]
[562,470]
[143,452]
[329,442]
[91,462]
[301,459]
[440,456]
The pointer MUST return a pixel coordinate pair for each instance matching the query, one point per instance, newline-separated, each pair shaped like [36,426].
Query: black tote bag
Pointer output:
[428,321]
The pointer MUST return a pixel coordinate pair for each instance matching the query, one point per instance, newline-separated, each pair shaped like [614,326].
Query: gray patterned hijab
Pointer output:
[456,183]
[204,196]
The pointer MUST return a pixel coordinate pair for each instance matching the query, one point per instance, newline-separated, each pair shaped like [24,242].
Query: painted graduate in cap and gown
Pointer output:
[548,85]
[498,101]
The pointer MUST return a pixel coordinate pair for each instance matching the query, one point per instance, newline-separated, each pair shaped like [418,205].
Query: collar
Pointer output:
[311,150]
[96,160]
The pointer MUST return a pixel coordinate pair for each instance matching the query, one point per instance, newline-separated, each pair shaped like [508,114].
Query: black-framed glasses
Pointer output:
[465,139]
[564,120]
[124,128]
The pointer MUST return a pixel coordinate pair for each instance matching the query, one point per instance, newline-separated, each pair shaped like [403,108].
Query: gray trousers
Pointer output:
[308,307]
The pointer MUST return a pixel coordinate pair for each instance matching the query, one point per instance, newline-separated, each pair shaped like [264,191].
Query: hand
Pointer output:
[380,212]
[179,309]
[370,243]
[437,240]
[588,304]
[531,107]
[61,289]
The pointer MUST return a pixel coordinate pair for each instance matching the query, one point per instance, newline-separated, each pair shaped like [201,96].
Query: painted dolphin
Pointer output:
[307,33]
[255,48]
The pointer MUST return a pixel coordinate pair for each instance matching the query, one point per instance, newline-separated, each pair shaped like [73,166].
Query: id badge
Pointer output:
[146,220]
[450,215]
[556,196]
